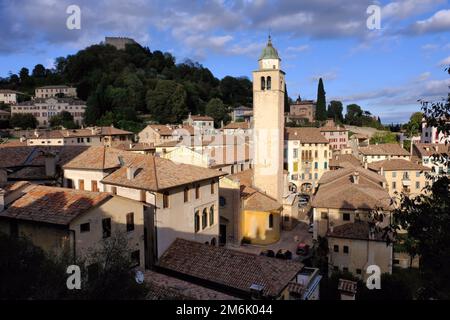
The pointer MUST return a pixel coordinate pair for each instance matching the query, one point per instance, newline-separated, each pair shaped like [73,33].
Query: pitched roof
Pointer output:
[344,160]
[155,174]
[254,200]
[164,287]
[169,130]
[53,205]
[396,164]
[430,149]
[229,268]
[73,133]
[333,128]
[393,149]
[359,230]
[337,189]
[201,118]
[305,135]
[99,158]
[237,125]
[10,187]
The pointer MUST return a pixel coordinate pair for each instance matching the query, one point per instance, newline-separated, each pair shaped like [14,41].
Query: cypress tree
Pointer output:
[321,107]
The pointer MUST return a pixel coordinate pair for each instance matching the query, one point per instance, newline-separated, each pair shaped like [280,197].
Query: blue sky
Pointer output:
[385,71]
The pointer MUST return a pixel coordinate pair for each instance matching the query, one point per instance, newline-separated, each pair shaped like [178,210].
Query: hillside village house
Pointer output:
[43,109]
[204,124]
[237,128]
[181,200]
[307,156]
[336,135]
[341,208]
[155,134]
[73,222]
[301,111]
[240,275]
[93,136]
[54,91]
[8,96]
[432,156]
[242,114]
[229,154]
[385,151]
[432,135]
[402,176]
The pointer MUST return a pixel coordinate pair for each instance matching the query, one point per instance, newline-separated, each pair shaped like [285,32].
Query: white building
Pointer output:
[204,124]
[44,109]
[54,91]
[432,135]
[8,96]
[181,200]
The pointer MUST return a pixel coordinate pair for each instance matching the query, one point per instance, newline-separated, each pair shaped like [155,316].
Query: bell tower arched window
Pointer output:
[263,83]
[269,83]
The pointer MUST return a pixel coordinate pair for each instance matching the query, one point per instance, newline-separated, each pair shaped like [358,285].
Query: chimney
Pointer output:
[2,200]
[50,164]
[355,177]
[131,171]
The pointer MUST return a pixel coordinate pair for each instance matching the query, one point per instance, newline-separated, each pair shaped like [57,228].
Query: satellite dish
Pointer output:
[139,277]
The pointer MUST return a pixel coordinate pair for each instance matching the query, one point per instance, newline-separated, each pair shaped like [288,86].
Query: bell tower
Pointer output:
[268,123]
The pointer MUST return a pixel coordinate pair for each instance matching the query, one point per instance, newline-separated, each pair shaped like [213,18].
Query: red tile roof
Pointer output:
[305,135]
[53,205]
[233,270]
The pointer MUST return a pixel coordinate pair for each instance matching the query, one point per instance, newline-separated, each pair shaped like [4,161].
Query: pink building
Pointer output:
[337,136]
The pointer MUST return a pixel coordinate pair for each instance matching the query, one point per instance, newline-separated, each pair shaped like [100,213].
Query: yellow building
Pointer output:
[402,176]
[246,213]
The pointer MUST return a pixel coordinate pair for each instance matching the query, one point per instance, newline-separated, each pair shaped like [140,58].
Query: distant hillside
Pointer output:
[120,84]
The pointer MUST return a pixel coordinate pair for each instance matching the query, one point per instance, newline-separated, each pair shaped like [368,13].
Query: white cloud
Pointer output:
[300,48]
[406,8]
[439,22]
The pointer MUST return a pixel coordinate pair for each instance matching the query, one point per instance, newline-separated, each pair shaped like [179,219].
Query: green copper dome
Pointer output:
[269,52]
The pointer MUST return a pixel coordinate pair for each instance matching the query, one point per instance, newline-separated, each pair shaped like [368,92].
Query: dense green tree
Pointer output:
[39,71]
[167,102]
[64,119]
[335,110]
[321,107]
[414,126]
[353,115]
[218,111]
[23,121]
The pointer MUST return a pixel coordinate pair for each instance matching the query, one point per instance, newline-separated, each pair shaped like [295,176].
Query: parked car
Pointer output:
[267,253]
[302,249]
[284,254]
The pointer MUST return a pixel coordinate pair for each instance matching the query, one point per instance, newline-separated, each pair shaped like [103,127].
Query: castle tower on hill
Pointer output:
[268,113]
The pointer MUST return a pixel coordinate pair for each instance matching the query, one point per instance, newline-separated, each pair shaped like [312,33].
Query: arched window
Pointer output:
[211,216]
[263,83]
[270,221]
[204,219]
[197,221]
[269,83]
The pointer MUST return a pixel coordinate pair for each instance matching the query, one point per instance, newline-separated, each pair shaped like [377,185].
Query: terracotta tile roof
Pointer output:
[201,118]
[73,133]
[305,135]
[229,268]
[155,174]
[13,143]
[135,146]
[99,158]
[53,205]
[169,130]
[359,136]
[30,173]
[14,156]
[164,287]
[237,125]
[342,160]
[396,164]
[393,149]
[10,187]
[429,149]
[359,230]
[338,190]
[333,129]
